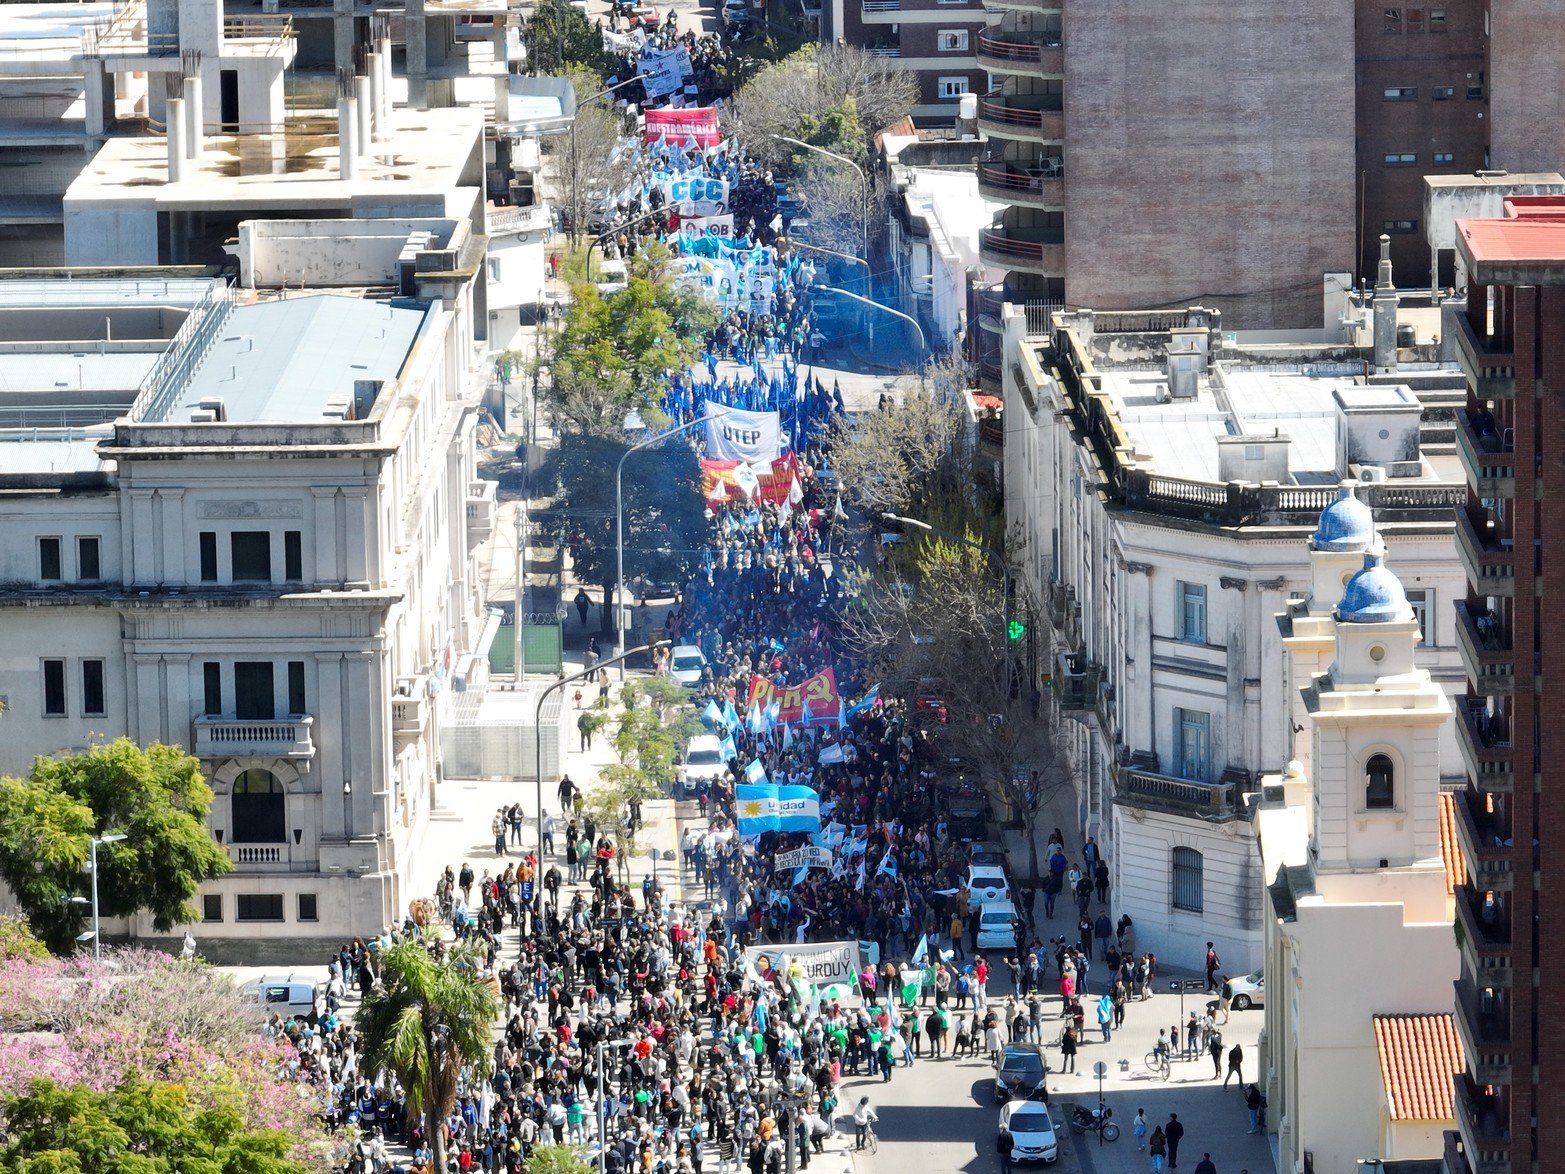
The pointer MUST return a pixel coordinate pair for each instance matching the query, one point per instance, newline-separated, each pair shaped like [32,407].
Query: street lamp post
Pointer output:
[602,236]
[863,177]
[913,322]
[95,932]
[619,534]
[576,163]
[798,244]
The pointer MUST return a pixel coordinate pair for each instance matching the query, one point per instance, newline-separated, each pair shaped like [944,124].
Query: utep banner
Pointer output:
[817,697]
[802,858]
[693,124]
[767,807]
[773,486]
[736,435]
[821,963]
[696,195]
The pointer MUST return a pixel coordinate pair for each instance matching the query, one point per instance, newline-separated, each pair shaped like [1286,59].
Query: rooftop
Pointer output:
[1450,847]
[1524,247]
[1419,1056]
[282,361]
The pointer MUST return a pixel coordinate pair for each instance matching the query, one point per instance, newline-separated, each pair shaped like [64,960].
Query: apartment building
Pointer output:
[936,40]
[1162,481]
[1511,343]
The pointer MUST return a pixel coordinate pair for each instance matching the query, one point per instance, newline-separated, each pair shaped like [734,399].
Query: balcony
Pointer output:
[1486,947]
[1488,559]
[1035,54]
[287,857]
[1029,187]
[1026,248]
[1491,371]
[1029,117]
[1486,1138]
[1489,458]
[1177,796]
[1076,682]
[409,709]
[1481,834]
[1485,1034]
[1486,651]
[480,511]
[993,299]
[1051,6]
[1485,743]
[224,737]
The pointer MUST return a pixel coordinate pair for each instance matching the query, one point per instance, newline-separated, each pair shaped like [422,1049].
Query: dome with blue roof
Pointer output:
[1347,524]
[1374,595]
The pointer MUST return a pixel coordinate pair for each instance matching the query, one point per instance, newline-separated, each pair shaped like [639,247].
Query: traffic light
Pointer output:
[1016,629]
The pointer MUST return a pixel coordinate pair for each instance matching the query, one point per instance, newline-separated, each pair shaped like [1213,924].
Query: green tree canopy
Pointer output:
[559,37]
[138,1128]
[156,797]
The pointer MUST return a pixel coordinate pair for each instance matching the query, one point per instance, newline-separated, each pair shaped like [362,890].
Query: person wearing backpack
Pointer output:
[1005,1144]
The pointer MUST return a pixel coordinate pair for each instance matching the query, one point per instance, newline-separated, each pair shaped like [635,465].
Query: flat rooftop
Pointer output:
[47,30]
[281,361]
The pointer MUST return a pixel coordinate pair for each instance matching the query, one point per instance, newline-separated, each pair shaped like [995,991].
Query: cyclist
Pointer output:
[863,1117]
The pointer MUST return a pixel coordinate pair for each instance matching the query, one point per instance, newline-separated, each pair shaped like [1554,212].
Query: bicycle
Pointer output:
[871,1142]
[1158,1064]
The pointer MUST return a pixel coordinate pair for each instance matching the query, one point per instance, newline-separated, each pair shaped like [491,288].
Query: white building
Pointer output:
[242,522]
[1159,480]
[1359,857]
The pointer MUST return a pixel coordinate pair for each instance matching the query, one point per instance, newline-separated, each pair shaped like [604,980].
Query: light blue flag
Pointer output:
[919,951]
[755,720]
[757,807]
[730,714]
[888,865]
[865,703]
[798,809]
[712,715]
[800,875]
[755,772]
[728,750]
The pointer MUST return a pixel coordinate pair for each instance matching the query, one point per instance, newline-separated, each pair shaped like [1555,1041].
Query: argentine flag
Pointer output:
[755,772]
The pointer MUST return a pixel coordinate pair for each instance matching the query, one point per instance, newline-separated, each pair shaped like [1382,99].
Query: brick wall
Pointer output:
[1527,86]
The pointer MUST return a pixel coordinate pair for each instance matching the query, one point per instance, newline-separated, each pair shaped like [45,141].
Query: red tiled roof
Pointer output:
[1528,238]
[1450,848]
[1419,1054]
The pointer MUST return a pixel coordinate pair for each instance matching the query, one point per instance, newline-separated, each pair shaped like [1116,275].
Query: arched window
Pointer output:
[257,805]
[1188,880]
[1379,793]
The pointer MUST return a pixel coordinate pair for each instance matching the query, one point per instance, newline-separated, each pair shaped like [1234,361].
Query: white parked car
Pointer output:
[1249,991]
[704,759]
[282,993]
[986,883]
[687,663]
[1032,1129]
[997,926]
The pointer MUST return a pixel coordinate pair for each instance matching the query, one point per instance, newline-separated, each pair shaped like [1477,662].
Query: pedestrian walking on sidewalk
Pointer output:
[1235,1066]
[1157,1146]
[1139,1128]
[1174,1132]
[583,605]
[584,727]
[1215,1047]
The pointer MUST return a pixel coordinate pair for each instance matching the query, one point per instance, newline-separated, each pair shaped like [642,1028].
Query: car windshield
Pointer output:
[1256,978]
[684,663]
[1031,1121]
[1022,1064]
[705,758]
[997,920]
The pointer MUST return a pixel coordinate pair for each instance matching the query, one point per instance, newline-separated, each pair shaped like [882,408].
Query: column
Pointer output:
[327,568]
[1235,735]
[171,523]
[358,533]
[176,697]
[146,720]
[139,545]
[329,765]
[1276,712]
[1137,708]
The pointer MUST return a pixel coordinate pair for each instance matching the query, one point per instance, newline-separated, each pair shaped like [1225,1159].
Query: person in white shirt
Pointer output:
[863,1117]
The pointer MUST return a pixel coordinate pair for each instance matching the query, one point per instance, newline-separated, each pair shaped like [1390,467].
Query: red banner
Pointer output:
[692,124]
[774,486]
[818,694]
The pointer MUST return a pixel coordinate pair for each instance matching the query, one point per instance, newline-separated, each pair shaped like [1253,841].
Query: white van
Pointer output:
[997,926]
[284,994]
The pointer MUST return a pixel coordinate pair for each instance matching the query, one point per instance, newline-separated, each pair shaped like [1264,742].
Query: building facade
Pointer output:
[249,534]
[1358,858]
[936,40]
[1511,342]
[1160,482]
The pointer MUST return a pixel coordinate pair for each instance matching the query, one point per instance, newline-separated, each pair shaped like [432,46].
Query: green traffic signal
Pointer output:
[1016,629]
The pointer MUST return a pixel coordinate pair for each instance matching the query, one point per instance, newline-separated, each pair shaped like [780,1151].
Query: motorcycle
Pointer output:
[1099,1120]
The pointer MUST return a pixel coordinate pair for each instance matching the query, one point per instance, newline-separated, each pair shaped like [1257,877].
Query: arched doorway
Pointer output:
[257,808]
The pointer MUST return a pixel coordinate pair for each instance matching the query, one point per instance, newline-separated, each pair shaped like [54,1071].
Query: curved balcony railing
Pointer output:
[1025,51]
[1039,249]
[1018,184]
[1041,115]
[1013,48]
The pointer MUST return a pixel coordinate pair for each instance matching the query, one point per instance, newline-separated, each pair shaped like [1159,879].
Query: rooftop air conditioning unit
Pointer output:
[213,404]
[1372,473]
[203,416]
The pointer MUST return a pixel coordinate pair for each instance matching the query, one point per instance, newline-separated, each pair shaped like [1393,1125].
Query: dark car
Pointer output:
[1022,1074]
[967,817]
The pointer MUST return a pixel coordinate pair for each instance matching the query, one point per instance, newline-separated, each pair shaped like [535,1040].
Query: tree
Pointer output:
[904,457]
[665,519]
[560,36]
[430,1019]
[589,164]
[156,797]
[796,96]
[557,1159]
[948,636]
[141,1127]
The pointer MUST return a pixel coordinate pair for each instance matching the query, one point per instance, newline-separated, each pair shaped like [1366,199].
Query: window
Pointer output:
[260,907]
[1393,20]
[951,40]
[1192,732]
[1414,22]
[1445,158]
[49,560]
[293,556]
[1188,888]
[211,906]
[257,807]
[1400,93]
[212,688]
[254,697]
[952,87]
[1475,92]
[296,687]
[208,556]
[1379,794]
[92,689]
[252,555]
[1402,159]
[494,268]
[1437,20]
[308,909]
[54,688]
[1192,613]
[1444,93]
[1420,598]
[89,566]
[1399,226]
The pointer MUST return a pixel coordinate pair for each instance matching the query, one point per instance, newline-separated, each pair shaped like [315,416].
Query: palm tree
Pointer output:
[427,1021]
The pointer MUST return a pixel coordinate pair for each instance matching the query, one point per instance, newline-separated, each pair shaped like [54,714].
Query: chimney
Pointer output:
[347,127]
[175,131]
[1385,306]
[194,116]
[361,95]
